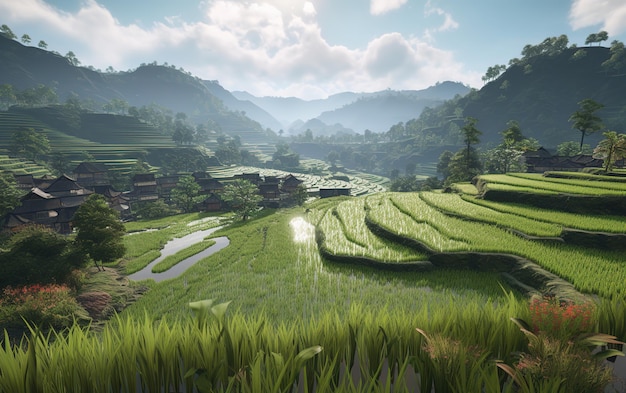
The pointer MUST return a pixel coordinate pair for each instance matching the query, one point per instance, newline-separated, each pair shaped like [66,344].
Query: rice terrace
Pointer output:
[162,234]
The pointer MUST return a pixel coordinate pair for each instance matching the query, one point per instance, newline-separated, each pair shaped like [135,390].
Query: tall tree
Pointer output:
[9,193]
[471,136]
[100,232]
[585,120]
[42,44]
[29,143]
[611,149]
[243,197]
[185,194]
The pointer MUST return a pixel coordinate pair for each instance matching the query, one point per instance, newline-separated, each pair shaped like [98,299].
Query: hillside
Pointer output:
[542,96]
[26,67]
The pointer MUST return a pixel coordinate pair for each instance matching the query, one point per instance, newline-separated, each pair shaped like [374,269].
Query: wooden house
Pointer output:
[52,207]
[290,183]
[165,185]
[91,174]
[269,192]
[254,178]
[210,186]
[212,203]
[145,188]
[333,192]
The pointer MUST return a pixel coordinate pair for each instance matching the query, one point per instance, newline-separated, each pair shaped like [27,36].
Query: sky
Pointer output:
[310,48]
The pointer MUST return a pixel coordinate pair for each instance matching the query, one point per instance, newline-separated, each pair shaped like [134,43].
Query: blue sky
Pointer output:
[310,48]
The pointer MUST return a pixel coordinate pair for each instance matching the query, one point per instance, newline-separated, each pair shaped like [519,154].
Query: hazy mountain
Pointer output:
[354,111]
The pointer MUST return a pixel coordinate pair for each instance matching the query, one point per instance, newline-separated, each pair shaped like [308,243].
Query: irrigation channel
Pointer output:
[175,245]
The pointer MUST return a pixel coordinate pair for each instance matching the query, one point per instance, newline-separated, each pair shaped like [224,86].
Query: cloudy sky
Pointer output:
[310,48]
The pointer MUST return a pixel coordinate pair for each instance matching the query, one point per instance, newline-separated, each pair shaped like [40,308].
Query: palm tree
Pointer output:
[611,149]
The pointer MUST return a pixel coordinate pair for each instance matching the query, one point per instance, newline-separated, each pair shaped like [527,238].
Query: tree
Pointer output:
[38,255]
[100,232]
[332,157]
[6,30]
[9,193]
[597,37]
[243,197]
[470,137]
[42,44]
[617,61]
[25,39]
[506,157]
[585,120]
[493,72]
[444,162]
[29,143]
[71,57]
[611,149]
[185,194]
[7,96]
[571,148]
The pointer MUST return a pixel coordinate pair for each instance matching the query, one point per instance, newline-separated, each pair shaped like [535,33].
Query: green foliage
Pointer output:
[243,197]
[29,143]
[571,148]
[100,232]
[47,306]
[552,364]
[285,158]
[186,193]
[611,149]
[9,193]
[585,120]
[38,255]
[153,209]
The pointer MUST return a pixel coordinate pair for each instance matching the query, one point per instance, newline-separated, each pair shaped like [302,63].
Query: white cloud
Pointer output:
[379,7]
[609,14]
[448,21]
[270,47]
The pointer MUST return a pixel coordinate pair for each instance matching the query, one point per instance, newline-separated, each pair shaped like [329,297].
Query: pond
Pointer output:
[175,245]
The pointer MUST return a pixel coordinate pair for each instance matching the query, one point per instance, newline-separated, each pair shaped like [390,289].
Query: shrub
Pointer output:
[564,319]
[48,306]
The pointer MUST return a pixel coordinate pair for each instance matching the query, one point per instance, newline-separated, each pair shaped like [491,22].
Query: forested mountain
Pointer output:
[25,67]
[541,92]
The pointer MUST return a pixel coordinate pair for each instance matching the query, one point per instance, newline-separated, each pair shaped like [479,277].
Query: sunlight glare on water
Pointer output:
[302,231]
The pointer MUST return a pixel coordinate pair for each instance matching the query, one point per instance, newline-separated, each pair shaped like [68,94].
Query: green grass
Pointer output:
[589,270]
[264,271]
[587,222]
[533,183]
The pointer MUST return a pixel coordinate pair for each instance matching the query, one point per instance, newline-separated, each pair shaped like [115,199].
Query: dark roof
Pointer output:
[63,183]
[292,180]
[141,177]
[90,167]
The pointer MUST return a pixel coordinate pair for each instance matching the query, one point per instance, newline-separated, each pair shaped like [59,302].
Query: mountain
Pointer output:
[543,91]
[26,67]
[356,112]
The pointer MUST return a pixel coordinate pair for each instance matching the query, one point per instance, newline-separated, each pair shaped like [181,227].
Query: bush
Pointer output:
[47,306]
[38,255]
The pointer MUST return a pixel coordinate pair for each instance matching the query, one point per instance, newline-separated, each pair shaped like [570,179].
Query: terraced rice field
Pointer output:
[444,223]
[536,183]
[357,184]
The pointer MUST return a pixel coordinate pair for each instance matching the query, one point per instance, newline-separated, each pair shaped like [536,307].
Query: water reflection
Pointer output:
[302,231]
[178,244]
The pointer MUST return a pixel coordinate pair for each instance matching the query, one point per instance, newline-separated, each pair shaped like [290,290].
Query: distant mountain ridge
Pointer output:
[357,112]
